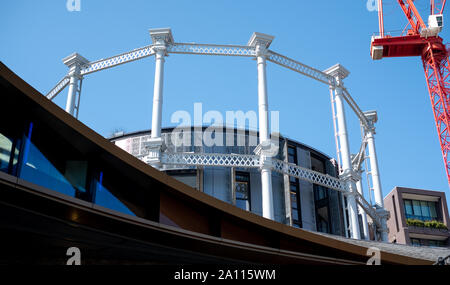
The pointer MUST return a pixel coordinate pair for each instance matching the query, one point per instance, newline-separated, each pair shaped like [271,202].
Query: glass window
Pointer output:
[433,211]
[320,192]
[5,152]
[294,207]
[417,208]
[408,207]
[37,169]
[415,242]
[322,208]
[421,210]
[292,155]
[9,153]
[322,219]
[425,209]
[105,198]
[293,198]
[295,202]
[242,190]
[295,215]
[291,150]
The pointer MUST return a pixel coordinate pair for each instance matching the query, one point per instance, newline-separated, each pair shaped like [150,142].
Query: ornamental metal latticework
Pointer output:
[58,88]
[208,49]
[309,175]
[211,159]
[253,161]
[300,68]
[118,59]
[163,44]
[360,114]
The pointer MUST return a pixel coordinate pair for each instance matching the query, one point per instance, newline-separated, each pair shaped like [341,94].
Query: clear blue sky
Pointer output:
[36,35]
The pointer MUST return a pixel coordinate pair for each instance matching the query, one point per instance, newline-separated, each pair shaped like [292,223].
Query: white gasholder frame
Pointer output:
[349,181]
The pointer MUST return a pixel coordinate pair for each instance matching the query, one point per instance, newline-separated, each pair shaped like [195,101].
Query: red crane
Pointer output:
[418,39]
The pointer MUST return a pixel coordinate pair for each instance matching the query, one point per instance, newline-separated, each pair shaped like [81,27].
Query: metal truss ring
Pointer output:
[118,59]
[211,49]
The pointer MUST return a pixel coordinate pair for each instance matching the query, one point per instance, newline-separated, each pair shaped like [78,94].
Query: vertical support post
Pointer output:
[365,225]
[261,42]
[158,92]
[372,118]
[75,63]
[339,73]
[161,39]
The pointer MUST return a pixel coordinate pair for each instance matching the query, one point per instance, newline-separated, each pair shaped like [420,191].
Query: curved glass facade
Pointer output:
[297,203]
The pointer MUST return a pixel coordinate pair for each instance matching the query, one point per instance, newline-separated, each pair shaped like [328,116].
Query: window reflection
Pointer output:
[37,169]
[104,198]
[242,189]
[9,154]
[421,210]
[294,188]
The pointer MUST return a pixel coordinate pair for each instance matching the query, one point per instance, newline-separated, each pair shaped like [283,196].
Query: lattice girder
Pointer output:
[210,49]
[300,68]
[309,175]
[118,59]
[210,159]
[58,88]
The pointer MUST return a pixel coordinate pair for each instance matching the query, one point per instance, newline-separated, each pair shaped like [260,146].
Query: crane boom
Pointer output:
[423,41]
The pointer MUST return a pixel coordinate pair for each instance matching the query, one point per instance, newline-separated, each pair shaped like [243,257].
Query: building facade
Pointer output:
[297,203]
[418,217]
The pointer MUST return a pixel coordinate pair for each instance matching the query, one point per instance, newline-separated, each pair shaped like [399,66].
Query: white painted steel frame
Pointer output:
[230,50]
[254,161]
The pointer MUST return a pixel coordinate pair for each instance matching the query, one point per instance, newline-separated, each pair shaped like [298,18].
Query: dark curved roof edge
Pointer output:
[196,212]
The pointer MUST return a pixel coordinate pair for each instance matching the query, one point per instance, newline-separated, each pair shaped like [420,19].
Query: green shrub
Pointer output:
[435,225]
[428,224]
[415,223]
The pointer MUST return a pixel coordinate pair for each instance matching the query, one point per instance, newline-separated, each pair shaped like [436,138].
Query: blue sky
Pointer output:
[36,35]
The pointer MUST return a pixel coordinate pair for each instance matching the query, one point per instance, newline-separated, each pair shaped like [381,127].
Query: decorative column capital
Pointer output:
[75,62]
[267,148]
[372,118]
[338,72]
[161,38]
[260,42]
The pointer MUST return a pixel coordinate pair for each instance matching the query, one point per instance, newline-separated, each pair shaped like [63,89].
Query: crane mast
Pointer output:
[424,41]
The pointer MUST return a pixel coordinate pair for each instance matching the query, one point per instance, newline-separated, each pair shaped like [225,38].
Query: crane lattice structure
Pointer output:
[418,39]
[349,181]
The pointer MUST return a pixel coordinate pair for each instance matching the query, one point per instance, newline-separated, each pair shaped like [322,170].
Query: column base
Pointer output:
[154,147]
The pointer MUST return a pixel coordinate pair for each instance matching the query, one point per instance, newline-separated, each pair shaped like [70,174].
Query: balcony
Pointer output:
[429,227]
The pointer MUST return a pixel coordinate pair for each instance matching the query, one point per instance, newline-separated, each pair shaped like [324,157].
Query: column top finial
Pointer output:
[261,39]
[161,34]
[75,59]
[371,115]
[337,70]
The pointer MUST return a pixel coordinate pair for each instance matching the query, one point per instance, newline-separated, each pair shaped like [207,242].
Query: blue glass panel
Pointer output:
[425,209]
[39,170]
[104,198]
[408,207]
[6,151]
